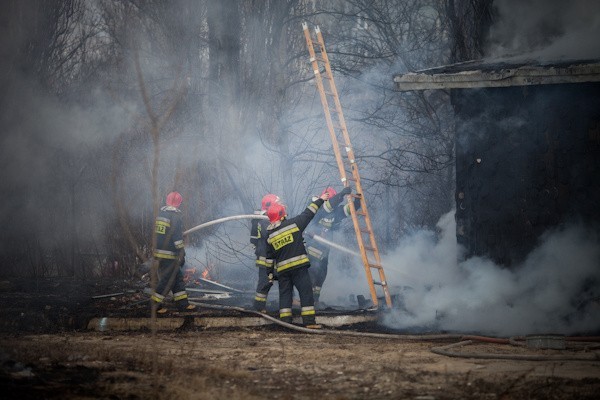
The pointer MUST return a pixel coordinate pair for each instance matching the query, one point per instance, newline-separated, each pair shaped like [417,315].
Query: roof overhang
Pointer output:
[495,76]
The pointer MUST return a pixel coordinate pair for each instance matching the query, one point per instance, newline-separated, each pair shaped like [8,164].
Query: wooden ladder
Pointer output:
[346,165]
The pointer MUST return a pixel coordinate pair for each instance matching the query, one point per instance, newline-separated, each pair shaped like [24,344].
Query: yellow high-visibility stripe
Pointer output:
[157,297]
[315,252]
[165,254]
[292,262]
[285,312]
[262,263]
[180,296]
[283,232]
[308,310]
[163,221]
[347,210]
[260,297]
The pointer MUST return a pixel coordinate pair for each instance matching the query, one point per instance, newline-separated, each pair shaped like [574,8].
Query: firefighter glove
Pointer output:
[270,275]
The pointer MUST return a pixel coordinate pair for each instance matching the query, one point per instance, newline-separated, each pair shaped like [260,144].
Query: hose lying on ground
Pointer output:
[445,351]
[327,331]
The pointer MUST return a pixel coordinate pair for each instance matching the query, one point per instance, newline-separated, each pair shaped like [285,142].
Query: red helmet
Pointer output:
[276,212]
[329,190]
[268,200]
[174,199]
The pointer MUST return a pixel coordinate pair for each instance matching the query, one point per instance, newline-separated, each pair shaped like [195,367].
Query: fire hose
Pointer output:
[444,350]
[332,245]
[343,249]
[591,343]
[326,331]
[225,219]
[466,340]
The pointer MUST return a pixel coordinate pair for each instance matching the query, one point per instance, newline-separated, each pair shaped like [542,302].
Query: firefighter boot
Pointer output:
[308,318]
[285,314]
[158,300]
[186,307]
[161,309]
[260,302]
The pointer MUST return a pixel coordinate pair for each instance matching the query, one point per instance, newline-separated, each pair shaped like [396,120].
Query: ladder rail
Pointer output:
[359,231]
[356,175]
[324,102]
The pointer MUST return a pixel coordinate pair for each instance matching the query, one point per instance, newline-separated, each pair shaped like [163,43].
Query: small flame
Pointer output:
[205,274]
[189,274]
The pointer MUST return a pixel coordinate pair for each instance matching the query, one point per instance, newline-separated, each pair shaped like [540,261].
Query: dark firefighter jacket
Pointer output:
[258,238]
[328,222]
[169,233]
[285,249]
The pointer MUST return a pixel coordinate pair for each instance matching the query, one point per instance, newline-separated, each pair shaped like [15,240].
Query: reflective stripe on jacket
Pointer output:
[285,244]
[258,237]
[169,233]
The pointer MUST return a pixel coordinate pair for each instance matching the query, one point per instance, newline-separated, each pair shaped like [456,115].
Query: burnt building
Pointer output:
[527,150]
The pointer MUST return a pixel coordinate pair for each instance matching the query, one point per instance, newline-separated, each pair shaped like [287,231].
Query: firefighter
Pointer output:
[327,220]
[170,253]
[258,238]
[287,256]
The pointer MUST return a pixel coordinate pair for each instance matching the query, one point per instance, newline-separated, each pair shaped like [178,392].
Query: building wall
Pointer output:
[527,160]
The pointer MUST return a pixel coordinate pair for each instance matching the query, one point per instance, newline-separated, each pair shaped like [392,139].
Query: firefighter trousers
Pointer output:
[300,279]
[170,278]
[262,289]
[318,273]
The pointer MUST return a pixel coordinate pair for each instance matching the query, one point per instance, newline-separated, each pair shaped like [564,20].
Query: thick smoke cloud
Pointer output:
[555,290]
[47,147]
[546,30]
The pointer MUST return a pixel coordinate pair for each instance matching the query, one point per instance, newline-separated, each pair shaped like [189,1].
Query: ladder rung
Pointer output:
[346,159]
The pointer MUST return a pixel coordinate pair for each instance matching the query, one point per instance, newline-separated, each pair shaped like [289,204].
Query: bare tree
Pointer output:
[469,22]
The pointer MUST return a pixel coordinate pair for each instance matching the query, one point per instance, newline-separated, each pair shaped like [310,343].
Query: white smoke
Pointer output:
[549,293]
[546,29]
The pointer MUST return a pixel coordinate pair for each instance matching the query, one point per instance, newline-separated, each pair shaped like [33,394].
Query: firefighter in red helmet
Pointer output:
[258,238]
[170,253]
[287,256]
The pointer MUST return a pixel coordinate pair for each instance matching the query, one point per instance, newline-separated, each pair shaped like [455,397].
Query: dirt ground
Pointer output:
[267,361]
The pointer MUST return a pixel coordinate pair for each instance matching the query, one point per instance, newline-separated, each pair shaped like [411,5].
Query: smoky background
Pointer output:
[227,88]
